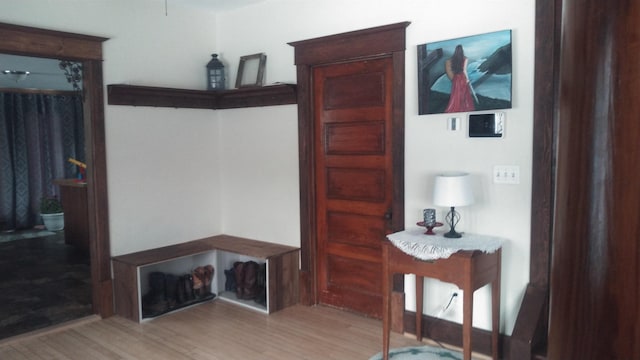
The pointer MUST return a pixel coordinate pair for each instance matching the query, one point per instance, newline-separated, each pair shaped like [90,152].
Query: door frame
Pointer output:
[388,40]
[29,41]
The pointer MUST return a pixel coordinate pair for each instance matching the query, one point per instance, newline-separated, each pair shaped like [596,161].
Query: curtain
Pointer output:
[38,134]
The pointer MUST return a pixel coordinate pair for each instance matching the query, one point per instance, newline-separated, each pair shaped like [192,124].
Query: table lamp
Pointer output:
[452,189]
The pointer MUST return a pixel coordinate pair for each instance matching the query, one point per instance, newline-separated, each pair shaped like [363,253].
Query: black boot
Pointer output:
[188,287]
[154,302]
[230,280]
[238,270]
[171,290]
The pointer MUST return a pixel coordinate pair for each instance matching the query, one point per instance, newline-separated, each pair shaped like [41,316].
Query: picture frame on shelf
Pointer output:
[251,70]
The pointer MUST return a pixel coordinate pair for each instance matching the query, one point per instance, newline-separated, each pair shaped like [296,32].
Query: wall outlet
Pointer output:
[506,174]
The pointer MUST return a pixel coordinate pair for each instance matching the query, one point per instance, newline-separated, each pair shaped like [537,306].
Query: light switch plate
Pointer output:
[506,174]
[453,123]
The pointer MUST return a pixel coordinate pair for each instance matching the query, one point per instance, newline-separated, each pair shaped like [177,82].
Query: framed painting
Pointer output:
[466,74]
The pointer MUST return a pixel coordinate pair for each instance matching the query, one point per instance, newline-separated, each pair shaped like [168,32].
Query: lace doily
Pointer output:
[431,247]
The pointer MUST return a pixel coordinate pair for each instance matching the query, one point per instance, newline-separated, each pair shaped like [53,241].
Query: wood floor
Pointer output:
[216,330]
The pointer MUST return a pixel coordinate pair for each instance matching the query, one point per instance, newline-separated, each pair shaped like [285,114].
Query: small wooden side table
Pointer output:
[73,195]
[469,270]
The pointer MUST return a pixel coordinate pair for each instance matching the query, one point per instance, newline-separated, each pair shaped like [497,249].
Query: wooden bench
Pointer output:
[130,271]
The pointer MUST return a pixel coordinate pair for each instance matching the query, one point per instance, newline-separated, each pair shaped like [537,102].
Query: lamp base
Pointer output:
[453,234]
[452,219]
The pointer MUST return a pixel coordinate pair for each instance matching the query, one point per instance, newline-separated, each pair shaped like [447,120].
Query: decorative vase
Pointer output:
[53,222]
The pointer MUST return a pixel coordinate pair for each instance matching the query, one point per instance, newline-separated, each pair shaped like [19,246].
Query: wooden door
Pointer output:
[354,180]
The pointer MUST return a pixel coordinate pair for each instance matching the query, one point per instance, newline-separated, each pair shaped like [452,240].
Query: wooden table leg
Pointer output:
[387,280]
[495,307]
[467,321]
[419,303]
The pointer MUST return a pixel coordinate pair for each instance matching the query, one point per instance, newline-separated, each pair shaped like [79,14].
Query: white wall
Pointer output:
[162,164]
[502,210]
[197,162]
[259,170]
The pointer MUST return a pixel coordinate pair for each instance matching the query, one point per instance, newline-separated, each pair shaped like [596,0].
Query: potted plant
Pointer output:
[52,213]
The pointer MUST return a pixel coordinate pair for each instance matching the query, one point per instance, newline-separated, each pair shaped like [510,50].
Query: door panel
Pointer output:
[345,91]
[354,183]
[370,135]
[343,268]
[357,229]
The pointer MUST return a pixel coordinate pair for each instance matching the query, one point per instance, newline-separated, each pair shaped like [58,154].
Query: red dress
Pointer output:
[460,98]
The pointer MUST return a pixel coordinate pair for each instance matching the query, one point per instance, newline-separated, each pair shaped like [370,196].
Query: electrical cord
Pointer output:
[439,318]
[453,296]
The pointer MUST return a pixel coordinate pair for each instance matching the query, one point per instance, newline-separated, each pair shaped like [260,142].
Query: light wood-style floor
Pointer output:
[216,330]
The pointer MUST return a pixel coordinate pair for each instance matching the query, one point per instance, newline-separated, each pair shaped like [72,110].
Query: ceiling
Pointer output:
[46,73]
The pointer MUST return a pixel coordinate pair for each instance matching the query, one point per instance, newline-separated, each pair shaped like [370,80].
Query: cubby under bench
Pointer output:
[130,271]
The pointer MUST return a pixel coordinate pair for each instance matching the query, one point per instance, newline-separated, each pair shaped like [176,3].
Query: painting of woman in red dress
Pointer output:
[461,98]
[466,74]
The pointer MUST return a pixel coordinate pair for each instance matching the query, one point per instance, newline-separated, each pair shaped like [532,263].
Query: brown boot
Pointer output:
[198,282]
[238,268]
[208,278]
[250,281]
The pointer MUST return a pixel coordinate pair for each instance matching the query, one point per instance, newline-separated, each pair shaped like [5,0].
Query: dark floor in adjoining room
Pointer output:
[43,282]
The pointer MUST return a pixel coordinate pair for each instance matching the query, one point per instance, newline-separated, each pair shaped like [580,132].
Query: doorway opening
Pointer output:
[88,51]
[46,274]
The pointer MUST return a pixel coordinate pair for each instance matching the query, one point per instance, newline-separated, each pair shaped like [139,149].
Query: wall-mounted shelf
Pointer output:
[280,94]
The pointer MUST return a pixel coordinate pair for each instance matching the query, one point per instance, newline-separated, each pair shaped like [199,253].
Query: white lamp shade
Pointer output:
[453,189]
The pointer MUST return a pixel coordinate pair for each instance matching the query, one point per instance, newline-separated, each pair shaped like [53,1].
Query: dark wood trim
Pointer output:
[308,284]
[160,97]
[280,94]
[397,303]
[544,108]
[351,45]
[386,40]
[29,41]
[547,50]
[97,193]
[398,141]
[529,332]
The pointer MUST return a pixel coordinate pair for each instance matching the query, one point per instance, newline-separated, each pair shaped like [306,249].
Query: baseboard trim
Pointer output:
[448,332]
[50,329]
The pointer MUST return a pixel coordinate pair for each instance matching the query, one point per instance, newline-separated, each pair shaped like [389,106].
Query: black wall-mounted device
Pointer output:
[486,125]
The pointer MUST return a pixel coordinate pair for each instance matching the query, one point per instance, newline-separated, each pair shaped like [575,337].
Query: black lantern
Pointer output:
[215,74]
